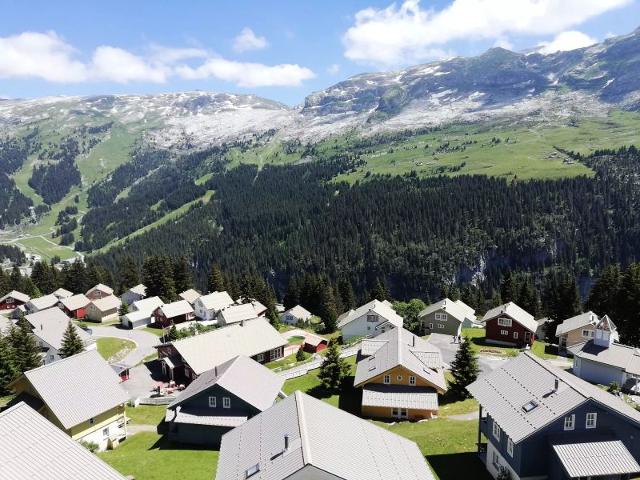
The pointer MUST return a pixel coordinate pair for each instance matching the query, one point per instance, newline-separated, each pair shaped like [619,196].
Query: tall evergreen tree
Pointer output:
[182,277]
[44,277]
[128,273]
[25,348]
[464,369]
[8,370]
[328,312]
[380,291]
[334,369]
[157,275]
[216,281]
[605,293]
[629,310]
[71,342]
[509,288]
[348,296]
[292,297]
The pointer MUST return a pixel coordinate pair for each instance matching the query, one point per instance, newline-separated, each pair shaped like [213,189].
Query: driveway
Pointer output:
[445,343]
[144,341]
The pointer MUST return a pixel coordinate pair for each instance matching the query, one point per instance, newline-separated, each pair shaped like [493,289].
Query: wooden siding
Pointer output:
[494,333]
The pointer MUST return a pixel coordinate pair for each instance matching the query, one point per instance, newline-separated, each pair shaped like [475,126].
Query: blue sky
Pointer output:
[278,49]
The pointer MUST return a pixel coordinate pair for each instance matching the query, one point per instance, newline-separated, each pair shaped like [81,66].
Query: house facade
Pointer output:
[174,313]
[208,306]
[104,309]
[134,294]
[542,422]
[99,291]
[141,313]
[13,300]
[579,329]
[42,303]
[369,320]
[75,306]
[296,315]
[510,325]
[446,317]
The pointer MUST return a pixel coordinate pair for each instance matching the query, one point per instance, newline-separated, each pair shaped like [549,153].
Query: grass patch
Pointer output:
[296,340]
[6,399]
[544,350]
[480,345]
[114,349]
[158,332]
[449,407]
[146,414]
[149,456]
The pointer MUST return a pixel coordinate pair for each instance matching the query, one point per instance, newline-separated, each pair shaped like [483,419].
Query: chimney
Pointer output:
[556,384]
[286,442]
[242,323]
[215,371]
[413,340]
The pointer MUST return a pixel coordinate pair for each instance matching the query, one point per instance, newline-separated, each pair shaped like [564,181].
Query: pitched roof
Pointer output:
[190,295]
[35,449]
[147,304]
[102,288]
[75,302]
[319,435]
[399,347]
[24,298]
[460,311]
[596,459]
[504,392]
[616,355]
[107,303]
[90,387]
[139,289]
[50,325]
[216,300]
[579,321]
[238,313]
[299,312]
[172,310]
[515,312]
[242,376]
[42,303]
[384,309]
[62,293]
[207,350]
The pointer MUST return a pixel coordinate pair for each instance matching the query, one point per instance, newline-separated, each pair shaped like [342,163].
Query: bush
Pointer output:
[91,446]
[301,355]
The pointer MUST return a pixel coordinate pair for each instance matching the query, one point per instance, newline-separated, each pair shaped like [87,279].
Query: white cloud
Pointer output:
[246,74]
[48,57]
[566,41]
[407,33]
[503,42]
[247,40]
[333,69]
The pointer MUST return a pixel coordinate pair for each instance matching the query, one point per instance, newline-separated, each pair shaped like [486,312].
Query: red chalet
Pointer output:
[75,306]
[314,343]
[510,325]
[13,300]
[172,313]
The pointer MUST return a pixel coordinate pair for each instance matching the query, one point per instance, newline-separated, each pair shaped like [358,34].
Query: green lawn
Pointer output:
[146,414]
[149,456]
[544,350]
[156,331]
[114,349]
[479,344]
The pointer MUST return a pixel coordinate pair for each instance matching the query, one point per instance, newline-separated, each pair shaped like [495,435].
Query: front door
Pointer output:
[527,337]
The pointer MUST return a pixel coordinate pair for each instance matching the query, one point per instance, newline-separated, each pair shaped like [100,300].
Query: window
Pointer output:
[251,471]
[431,326]
[495,459]
[529,406]
[412,380]
[399,412]
[504,332]
[212,402]
[387,379]
[569,422]
[372,318]
[260,357]
[226,402]
[587,333]
[504,322]
[92,421]
[442,317]
[510,447]
[496,430]
[440,325]
[592,419]
[105,432]
[399,378]
[515,335]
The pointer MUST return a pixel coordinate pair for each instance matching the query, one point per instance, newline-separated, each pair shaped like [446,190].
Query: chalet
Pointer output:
[600,360]
[510,325]
[99,291]
[42,303]
[75,306]
[104,309]
[190,357]
[49,327]
[33,447]
[208,306]
[401,376]
[296,315]
[314,343]
[446,317]
[259,308]
[91,406]
[236,313]
[302,437]
[141,313]
[369,320]
[13,300]
[62,293]
[579,329]
[221,399]
[134,294]
[190,296]
[173,313]
[541,421]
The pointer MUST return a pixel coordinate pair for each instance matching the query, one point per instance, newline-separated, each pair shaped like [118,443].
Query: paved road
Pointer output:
[144,341]
[445,343]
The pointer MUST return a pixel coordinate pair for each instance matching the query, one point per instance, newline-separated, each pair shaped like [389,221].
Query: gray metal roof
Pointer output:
[139,289]
[147,305]
[75,302]
[504,392]
[617,355]
[242,376]
[107,303]
[596,459]
[23,297]
[195,417]
[384,309]
[458,309]
[35,449]
[49,325]
[172,310]
[62,293]
[215,301]
[238,313]
[101,287]
[78,388]
[399,396]
[42,303]
[299,312]
[190,295]
[518,314]
[321,436]
[207,350]
[579,321]
[399,347]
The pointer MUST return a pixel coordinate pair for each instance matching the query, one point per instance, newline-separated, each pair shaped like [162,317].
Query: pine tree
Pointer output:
[604,295]
[380,291]
[123,310]
[464,369]
[128,272]
[327,310]
[300,355]
[71,342]
[292,297]
[348,296]
[629,310]
[509,288]
[25,348]
[8,371]
[157,276]
[173,333]
[334,369]
[182,277]
[216,279]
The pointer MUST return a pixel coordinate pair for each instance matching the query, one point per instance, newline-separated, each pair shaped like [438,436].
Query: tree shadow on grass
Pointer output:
[350,398]
[163,443]
[458,466]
